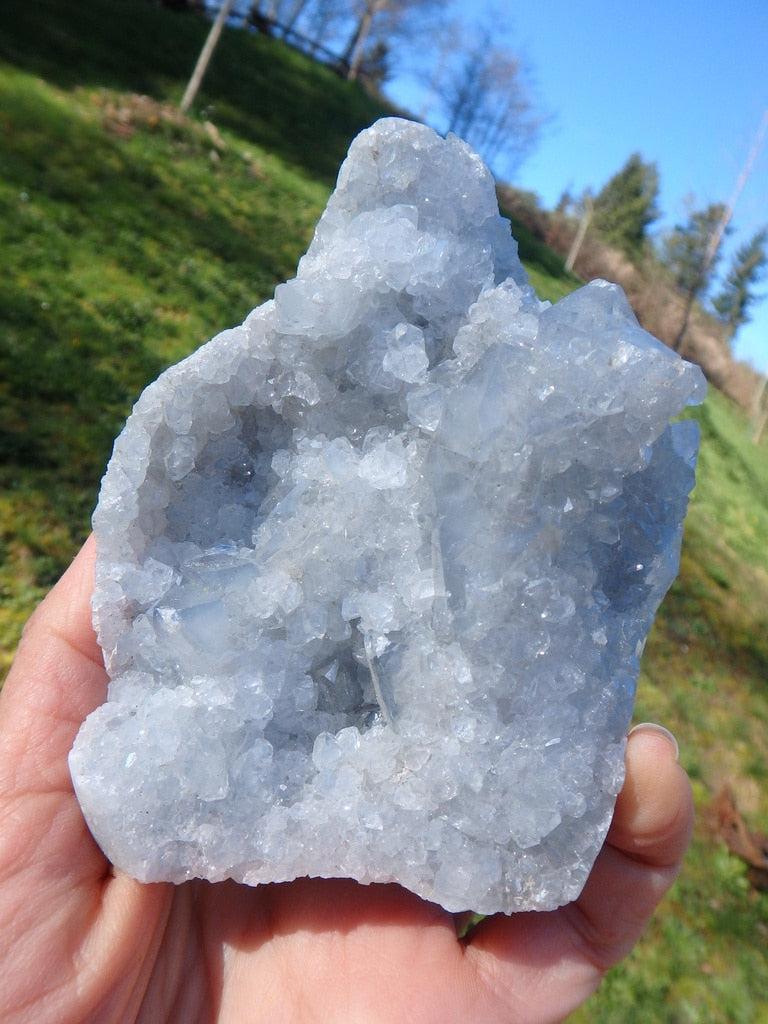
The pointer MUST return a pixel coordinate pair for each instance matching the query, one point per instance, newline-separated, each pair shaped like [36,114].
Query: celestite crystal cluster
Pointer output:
[375,568]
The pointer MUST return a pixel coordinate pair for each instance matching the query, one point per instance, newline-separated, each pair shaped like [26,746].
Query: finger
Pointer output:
[650,832]
[557,959]
[57,679]
[60,905]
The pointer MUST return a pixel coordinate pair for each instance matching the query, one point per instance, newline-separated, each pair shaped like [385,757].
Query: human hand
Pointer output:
[82,942]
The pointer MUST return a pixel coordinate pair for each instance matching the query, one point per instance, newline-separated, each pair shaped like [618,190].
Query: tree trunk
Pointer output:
[205,56]
[295,13]
[353,55]
[580,235]
[677,344]
[466,110]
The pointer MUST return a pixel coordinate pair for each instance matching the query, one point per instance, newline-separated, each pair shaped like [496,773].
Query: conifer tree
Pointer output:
[627,204]
[738,295]
[691,258]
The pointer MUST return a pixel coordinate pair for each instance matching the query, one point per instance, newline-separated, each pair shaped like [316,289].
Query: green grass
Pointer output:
[129,235]
[546,269]
[266,92]
[121,255]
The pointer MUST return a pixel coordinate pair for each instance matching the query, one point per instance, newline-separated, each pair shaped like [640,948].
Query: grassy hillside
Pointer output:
[130,234]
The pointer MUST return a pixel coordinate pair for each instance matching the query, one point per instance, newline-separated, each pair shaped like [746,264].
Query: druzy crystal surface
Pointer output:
[375,568]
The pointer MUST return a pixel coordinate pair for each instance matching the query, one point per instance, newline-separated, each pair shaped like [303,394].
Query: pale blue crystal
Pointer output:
[375,568]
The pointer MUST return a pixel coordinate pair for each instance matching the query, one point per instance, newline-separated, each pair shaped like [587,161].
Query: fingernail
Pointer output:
[659,730]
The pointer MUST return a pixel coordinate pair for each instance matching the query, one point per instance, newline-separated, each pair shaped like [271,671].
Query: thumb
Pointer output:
[57,679]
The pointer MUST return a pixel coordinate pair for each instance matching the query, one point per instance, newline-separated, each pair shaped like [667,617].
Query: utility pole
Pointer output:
[578,241]
[760,416]
[205,56]
[717,235]
[738,188]
[760,427]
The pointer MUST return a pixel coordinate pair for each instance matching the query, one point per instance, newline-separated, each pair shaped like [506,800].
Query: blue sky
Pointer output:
[683,82]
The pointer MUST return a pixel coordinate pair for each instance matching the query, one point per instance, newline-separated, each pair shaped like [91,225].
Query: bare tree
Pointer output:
[293,12]
[486,98]
[446,44]
[381,21]
[353,52]
[268,9]
[284,13]
[321,19]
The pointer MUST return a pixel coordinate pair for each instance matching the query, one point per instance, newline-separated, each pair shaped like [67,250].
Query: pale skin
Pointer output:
[82,942]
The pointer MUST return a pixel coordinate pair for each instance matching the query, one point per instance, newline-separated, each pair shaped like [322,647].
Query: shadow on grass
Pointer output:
[111,243]
[277,98]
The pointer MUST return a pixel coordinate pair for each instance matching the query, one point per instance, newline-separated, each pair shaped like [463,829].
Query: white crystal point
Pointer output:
[375,568]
